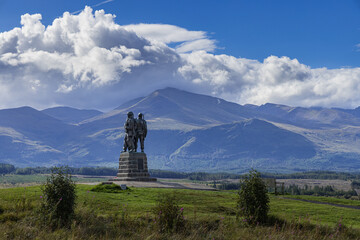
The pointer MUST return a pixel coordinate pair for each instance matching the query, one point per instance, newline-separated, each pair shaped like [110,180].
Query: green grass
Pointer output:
[139,201]
[315,213]
[15,180]
[201,204]
[18,179]
[333,200]
[209,214]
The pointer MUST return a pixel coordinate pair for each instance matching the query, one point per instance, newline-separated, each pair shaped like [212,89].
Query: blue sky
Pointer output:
[298,53]
[321,33]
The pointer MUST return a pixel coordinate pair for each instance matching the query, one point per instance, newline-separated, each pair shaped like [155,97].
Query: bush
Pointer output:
[253,202]
[168,215]
[109,188]
[58,198]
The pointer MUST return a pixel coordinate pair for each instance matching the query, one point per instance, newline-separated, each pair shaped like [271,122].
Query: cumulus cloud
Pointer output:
[90,61]
[85,55]
[276,79]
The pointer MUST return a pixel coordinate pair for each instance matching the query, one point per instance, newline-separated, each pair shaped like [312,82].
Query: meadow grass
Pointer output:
[208,214]
[314,213]
[334,200]
[16,180]
[140,201]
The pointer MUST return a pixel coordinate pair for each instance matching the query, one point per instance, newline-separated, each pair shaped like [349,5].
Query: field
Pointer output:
[208,214]
[337,184]
[16,180]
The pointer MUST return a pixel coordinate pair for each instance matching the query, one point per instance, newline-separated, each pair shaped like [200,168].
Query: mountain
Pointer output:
[314,117]
[71,115]
[355,112]
[36,125]
[187,132]
[229,146]
[171,108]
[29,137]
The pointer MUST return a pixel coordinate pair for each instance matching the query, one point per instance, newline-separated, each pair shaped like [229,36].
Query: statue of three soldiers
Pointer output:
[135,130]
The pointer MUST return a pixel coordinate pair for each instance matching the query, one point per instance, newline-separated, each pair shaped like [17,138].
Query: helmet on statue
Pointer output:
[130,114]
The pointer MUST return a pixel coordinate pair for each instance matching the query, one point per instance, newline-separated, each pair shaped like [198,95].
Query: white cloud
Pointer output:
[196,45]
[89,61]
[77,54]
[276,79]
[189,40]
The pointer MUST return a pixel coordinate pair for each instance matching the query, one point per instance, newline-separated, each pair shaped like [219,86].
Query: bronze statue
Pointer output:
[141,131]
[130,133]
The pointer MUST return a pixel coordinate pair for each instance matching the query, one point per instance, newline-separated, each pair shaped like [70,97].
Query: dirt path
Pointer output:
[325,203]
[161,184]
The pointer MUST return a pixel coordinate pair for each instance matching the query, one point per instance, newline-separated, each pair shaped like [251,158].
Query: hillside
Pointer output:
[71,115]
[187,132]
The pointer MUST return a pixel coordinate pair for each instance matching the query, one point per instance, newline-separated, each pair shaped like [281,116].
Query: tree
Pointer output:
[58,197]
[6,168]
[168,215]
[253,201]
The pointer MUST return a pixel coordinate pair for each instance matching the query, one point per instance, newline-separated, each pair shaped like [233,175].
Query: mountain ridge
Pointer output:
[71,115]
[187,132]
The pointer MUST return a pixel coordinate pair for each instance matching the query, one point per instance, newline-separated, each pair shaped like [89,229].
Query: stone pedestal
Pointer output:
[133,167]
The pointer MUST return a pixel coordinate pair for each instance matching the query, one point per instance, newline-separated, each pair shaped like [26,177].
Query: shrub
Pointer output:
[2,210]
[168,215]
[109,188]
[253,202]
[58,197]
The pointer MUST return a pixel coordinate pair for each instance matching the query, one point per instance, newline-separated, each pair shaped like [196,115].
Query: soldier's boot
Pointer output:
[125,146]
[142,150]
[132,149]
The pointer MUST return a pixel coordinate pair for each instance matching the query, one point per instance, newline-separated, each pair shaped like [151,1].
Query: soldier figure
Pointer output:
[130,132]
[141,131]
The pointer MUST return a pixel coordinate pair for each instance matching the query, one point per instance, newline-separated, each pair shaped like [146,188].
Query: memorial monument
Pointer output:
[132,164]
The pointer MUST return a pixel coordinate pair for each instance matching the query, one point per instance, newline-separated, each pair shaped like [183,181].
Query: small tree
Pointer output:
[168,215]
[58,197]
[1,210]
[253,202]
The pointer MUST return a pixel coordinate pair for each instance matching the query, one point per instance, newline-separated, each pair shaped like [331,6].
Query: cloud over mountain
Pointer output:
[276,79]
[88,60]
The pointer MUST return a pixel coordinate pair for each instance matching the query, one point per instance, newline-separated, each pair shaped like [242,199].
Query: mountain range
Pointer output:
[187,132]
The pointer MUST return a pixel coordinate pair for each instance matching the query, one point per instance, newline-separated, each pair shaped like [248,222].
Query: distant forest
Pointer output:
[199,176]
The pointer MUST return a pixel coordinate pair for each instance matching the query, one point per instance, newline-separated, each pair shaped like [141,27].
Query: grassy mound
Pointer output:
[109,188]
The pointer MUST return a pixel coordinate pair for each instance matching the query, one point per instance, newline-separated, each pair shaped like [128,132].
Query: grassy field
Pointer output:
[332,200]
[209,215]
[16,180]
[315,213]
[138,201]
[335,183]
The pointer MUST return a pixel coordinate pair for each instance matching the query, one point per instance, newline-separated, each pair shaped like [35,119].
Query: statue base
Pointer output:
[133,167]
